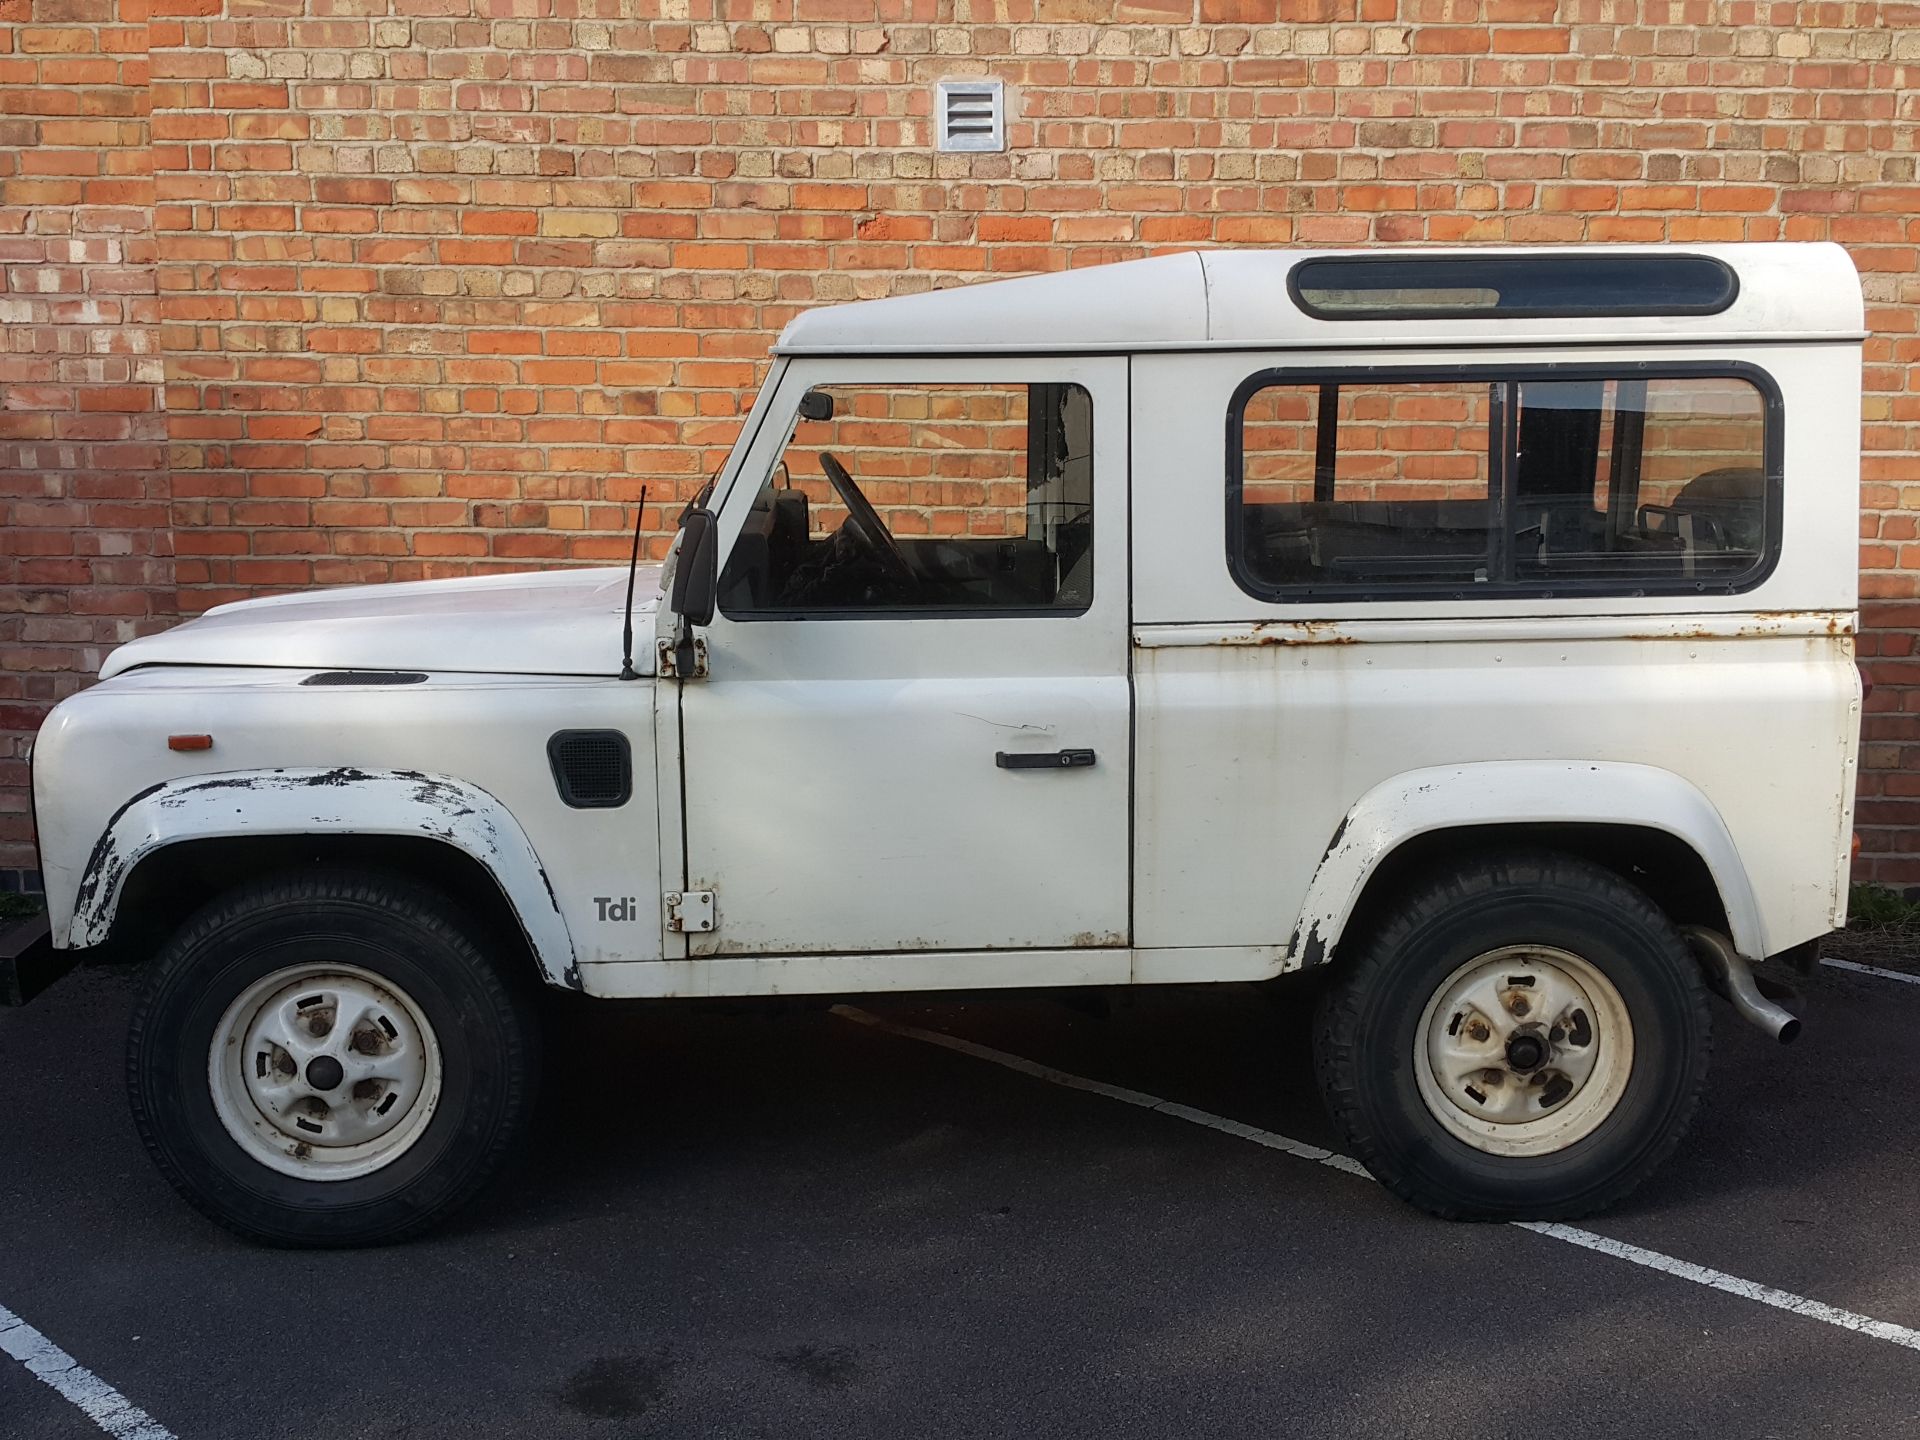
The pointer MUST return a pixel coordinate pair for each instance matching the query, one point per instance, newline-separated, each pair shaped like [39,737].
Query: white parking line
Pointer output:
[1729,1284]
[1854,965]
[103,1404]
[1572,1235]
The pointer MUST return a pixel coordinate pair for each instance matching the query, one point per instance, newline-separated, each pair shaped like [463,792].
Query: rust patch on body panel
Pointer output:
[1836,624]
[1295,632]
[1760,624]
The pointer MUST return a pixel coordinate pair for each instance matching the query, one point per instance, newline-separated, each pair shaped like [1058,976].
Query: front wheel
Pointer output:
[1527,1038]
[329,1059]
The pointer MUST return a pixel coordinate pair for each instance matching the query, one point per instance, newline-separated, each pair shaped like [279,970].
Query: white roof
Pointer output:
[1239,299]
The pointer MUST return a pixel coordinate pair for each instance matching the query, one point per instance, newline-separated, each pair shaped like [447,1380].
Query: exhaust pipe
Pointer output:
[1733,978]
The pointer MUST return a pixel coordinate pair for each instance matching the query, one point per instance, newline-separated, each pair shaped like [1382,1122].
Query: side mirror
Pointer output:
[696,573]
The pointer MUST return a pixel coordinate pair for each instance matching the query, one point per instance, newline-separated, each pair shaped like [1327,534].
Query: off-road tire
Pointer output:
[1369,1021]
[411,936]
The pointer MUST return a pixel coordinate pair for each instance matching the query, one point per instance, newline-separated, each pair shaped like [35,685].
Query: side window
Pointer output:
[1352,484]
[902,498]
[1543,484]
[1639,480]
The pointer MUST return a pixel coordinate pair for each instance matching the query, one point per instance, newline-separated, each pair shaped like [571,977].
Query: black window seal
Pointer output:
[1501,312]
[1773,465]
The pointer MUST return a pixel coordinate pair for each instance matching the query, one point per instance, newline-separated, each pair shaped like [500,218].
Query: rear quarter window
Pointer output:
[1528,481]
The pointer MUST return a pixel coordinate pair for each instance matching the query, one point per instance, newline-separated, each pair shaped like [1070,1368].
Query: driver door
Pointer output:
[915,730]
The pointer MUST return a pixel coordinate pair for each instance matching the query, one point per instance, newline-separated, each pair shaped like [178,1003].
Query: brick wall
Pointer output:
[442,283]
[84,534]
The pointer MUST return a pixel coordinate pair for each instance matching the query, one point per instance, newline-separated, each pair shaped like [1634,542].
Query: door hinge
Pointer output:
[682,660]
[689,910]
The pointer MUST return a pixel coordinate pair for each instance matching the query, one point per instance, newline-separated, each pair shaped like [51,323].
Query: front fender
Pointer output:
[1517,792]
[344,801]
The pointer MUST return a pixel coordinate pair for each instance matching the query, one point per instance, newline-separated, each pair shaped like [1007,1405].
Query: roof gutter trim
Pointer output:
[1333,344]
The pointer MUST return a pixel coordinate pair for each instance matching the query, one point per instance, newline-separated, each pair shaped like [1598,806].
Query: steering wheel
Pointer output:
[867,529]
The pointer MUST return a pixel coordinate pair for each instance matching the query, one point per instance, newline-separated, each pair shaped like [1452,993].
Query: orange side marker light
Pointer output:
[189,742]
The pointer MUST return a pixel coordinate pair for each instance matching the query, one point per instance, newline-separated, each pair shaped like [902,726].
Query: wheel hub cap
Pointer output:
[1524,1050]
[324,1072]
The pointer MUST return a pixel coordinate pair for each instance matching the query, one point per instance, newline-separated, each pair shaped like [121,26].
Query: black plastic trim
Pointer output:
[365,677]
[1044,759]
[28,961]
[564,782]
[1773,462]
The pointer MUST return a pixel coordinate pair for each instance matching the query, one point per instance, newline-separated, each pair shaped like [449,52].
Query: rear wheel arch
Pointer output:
[1666,867]
[1650,827]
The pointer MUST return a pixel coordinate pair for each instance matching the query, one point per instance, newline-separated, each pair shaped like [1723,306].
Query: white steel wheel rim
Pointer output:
[324,1072]
[1475,1048]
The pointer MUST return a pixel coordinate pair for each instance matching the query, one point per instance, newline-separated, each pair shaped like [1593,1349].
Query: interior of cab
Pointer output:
[923,498]
[1638,482]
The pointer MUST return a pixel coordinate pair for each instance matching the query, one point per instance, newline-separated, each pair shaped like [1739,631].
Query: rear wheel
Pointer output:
[329,1059]
[1527,1037]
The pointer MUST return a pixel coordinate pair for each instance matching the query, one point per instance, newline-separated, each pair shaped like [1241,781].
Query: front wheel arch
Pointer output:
[170,885]
[293,815]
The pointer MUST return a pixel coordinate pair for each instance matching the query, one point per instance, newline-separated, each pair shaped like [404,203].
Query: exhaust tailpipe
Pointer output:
[1732,977]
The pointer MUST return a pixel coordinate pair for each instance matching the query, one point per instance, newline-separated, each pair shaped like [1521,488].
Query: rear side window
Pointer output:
[1561,480]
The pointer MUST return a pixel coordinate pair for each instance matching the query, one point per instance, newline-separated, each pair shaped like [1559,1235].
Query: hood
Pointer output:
[557,622]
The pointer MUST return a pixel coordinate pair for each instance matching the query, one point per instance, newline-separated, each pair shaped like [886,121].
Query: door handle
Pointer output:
[1043,760]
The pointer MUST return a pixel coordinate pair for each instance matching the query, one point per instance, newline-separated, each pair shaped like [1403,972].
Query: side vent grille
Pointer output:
[592,769]
[971,115]
[365,677]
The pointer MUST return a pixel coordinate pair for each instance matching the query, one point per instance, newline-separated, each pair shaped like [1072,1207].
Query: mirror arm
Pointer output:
[695,586]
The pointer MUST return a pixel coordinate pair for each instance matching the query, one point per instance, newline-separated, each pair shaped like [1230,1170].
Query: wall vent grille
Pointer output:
[972,115]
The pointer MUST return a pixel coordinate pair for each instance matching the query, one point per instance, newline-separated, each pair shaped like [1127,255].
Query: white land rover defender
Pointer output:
[1477,625]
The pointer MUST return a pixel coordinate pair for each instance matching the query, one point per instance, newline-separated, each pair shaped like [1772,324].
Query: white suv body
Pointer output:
[1204,608]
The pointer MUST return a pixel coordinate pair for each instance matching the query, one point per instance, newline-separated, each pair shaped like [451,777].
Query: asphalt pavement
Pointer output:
[778,1221]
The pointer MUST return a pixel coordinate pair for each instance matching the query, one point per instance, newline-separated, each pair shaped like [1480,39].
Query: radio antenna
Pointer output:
[627,672]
